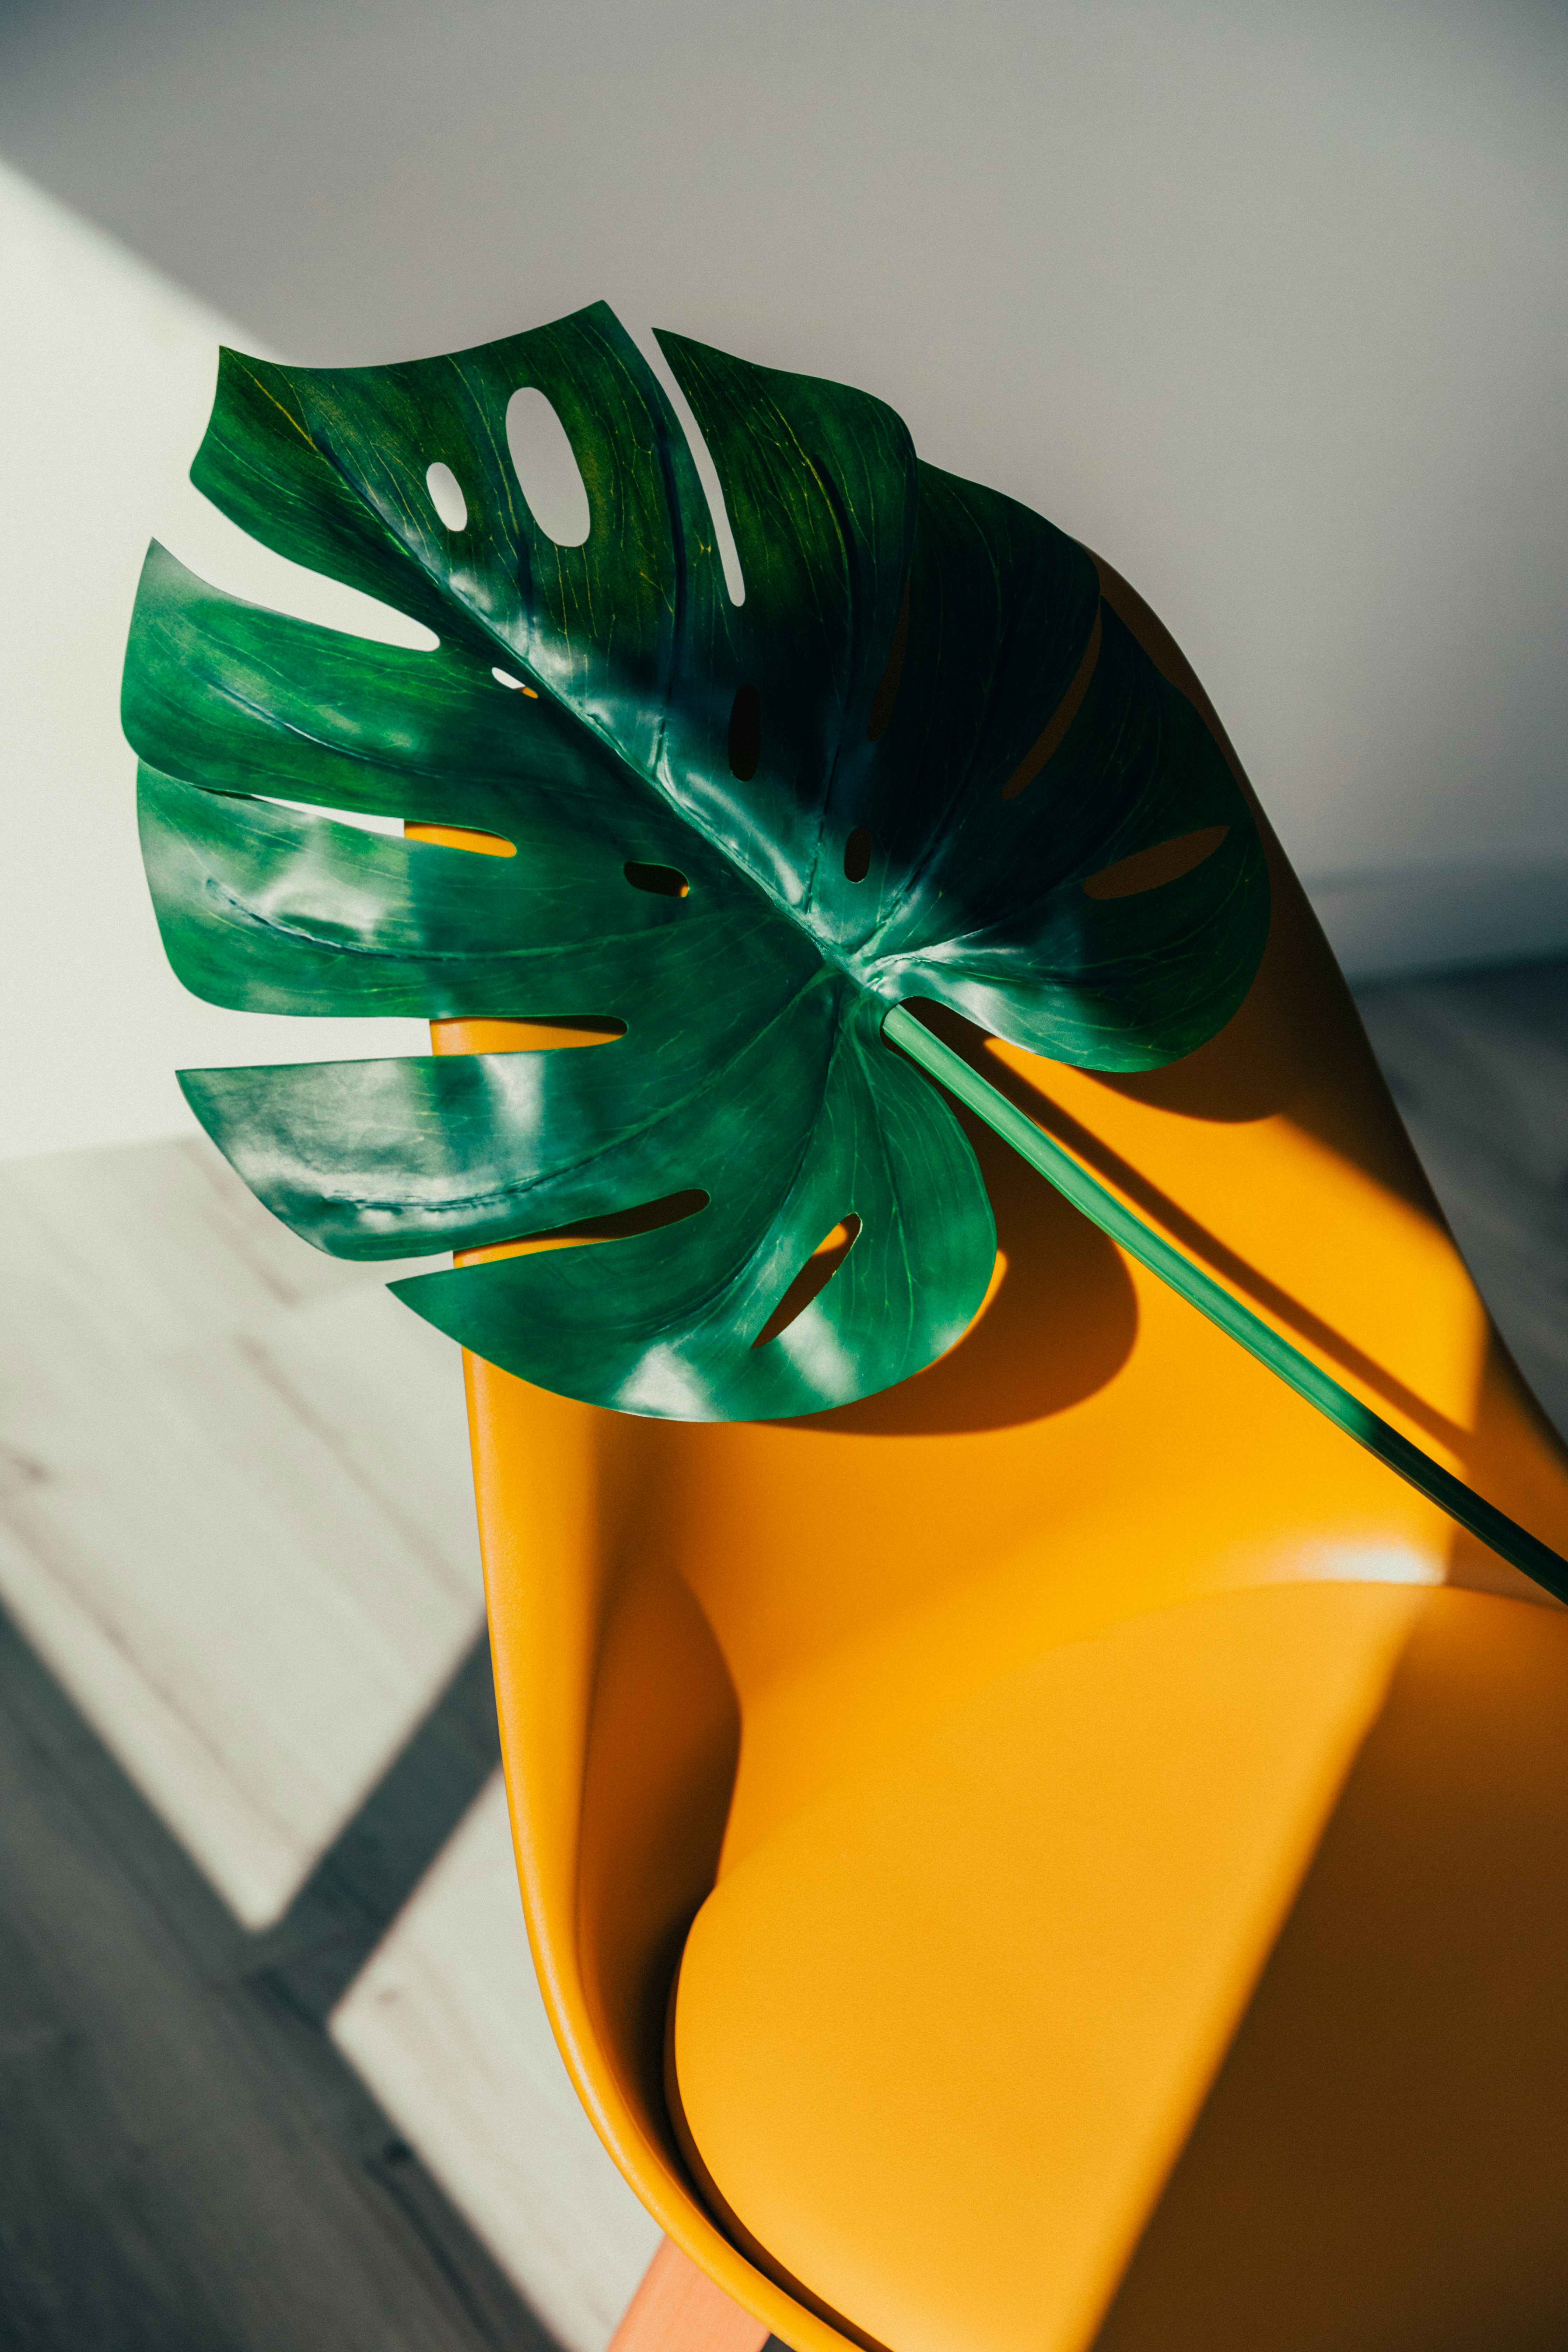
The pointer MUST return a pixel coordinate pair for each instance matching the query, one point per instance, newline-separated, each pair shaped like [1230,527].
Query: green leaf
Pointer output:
[742,831]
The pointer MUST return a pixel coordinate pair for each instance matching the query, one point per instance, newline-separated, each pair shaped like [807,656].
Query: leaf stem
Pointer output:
[1494,1527]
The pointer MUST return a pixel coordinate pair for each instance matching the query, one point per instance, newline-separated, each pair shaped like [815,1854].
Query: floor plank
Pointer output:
[186,2164]
[446,2027]
[235,1514]
[1479,1065]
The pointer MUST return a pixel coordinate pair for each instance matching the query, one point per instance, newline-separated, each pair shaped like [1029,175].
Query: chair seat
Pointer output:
[940,2038]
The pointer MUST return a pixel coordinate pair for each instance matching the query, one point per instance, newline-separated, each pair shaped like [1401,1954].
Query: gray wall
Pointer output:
[1265,303]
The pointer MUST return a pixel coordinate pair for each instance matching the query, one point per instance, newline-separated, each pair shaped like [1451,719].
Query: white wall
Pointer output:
[1265,302]
[104,392]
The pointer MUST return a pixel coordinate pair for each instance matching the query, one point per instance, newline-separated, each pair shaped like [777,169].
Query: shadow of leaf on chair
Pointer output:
[1295,1048]
[1206,1247]
[1059,1323]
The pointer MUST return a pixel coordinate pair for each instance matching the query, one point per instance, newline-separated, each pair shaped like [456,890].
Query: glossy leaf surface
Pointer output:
[741,830]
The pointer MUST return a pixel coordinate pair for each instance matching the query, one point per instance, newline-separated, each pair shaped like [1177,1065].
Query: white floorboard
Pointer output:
[236,1516]
[446,2027]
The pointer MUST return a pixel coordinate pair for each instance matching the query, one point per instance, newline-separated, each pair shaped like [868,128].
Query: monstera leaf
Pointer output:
[738,834]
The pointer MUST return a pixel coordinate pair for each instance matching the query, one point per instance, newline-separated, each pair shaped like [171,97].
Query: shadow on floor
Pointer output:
[186,2163]
[1479,1065]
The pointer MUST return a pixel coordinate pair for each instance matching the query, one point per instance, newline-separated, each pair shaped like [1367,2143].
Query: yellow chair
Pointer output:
[1070,1850]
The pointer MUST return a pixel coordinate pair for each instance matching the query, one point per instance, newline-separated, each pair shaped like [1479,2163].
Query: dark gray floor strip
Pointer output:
[186,2164]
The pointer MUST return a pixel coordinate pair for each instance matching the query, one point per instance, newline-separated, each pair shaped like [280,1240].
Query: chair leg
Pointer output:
[678,2308]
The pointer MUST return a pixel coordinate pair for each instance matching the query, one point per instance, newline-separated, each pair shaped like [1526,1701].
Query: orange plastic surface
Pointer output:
[1128,1888]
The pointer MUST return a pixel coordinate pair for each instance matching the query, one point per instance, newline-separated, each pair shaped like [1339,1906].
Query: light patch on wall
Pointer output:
[109,448]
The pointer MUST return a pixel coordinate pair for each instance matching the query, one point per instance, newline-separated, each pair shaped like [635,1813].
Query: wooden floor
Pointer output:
[248,1745]
[272,2073]
[185,2160]
[1479,1065]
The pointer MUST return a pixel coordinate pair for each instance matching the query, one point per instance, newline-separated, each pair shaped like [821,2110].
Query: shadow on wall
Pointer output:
[1443,918]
